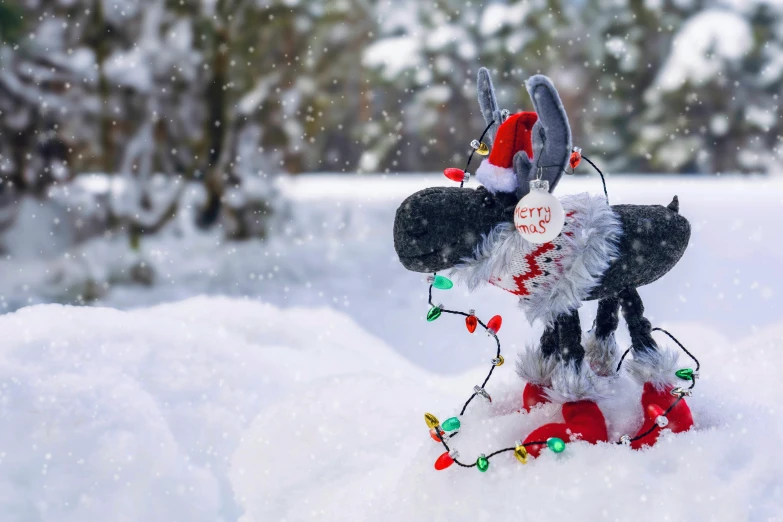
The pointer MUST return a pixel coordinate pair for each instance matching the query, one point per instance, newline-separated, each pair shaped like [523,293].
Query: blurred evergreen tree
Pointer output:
[715,104]
[627,42]
[285,92]
[430,57]
[42,100]
[10,23]
[231,92]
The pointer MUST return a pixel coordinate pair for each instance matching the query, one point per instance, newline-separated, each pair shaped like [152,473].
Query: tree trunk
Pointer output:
[216,127]
[101,47]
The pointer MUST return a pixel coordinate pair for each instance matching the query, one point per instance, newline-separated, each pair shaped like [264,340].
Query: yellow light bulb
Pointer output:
[480,147]
[431,420]
[521,453]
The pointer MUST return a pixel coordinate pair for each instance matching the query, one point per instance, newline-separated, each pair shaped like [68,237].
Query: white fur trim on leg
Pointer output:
[601,354]
[534,367]
[496,179]
[656,366]
[571,383]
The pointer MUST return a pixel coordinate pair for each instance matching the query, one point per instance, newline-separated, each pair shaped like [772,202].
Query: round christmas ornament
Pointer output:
[539,216]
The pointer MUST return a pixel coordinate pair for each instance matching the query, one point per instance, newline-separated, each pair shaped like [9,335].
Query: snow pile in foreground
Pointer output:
[109,415]
[219,409]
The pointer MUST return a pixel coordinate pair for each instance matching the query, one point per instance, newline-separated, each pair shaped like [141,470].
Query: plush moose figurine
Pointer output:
[603,252]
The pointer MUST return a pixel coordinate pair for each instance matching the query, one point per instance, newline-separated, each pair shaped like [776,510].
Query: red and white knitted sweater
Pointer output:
[528,271]
[555,277]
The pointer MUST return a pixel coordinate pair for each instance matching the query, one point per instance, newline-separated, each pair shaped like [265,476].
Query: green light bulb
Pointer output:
[685,374]
[482,463]
[442,283]
[556,444]
[451,424]
[433,314]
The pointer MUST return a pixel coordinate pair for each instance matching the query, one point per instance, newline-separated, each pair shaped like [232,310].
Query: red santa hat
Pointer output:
[497,171]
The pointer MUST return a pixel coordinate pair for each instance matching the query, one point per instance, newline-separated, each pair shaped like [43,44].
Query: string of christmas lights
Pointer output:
[450,427]
[477,146]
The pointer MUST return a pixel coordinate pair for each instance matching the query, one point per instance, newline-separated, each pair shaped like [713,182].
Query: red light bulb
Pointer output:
[494,324]
[444,461]
[455,174]
[575,159]
[471,322]
[434,434]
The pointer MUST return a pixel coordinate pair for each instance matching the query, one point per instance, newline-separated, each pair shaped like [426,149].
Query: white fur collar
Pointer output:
[586,255]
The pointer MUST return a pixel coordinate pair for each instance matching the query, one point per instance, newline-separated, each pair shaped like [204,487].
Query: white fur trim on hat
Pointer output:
[496,179]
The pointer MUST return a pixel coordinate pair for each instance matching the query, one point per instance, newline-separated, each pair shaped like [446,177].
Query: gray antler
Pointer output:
[488,103]
[551,137]
[522,168]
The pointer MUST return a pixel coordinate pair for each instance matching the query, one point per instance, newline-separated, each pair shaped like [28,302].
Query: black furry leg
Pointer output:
[602,352]
[570,335]
[550,341]
[638,325]
[607,317]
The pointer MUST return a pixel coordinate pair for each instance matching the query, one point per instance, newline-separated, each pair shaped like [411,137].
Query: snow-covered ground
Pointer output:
[226,409]
[310,405]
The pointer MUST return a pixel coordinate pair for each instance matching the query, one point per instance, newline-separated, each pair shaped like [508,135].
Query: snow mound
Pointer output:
[113,415]
[361,452]
[227,409]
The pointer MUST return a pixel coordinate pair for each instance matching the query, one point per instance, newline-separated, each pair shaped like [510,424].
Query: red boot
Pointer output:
[533,396]
[654,403]
[583,421]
